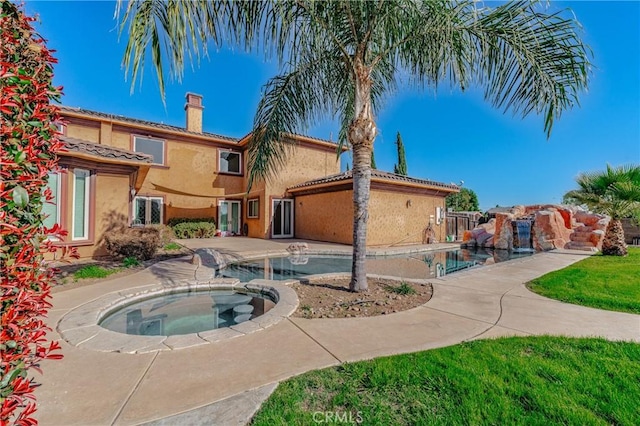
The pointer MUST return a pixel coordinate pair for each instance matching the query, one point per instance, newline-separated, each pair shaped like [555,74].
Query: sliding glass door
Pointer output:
[282,219]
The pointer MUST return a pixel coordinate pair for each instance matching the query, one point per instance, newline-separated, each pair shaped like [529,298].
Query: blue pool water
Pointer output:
[186,313]
[422,265]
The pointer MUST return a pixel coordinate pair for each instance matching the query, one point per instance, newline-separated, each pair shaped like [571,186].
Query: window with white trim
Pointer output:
[81,196]
[230,162]
[148,211]
[253,208]
[51,208]
[150,146]
[62,128]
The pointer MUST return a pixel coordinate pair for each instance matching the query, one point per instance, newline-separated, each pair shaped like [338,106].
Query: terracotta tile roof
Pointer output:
[392,177]
[143,123]
[104,151]
[294,136]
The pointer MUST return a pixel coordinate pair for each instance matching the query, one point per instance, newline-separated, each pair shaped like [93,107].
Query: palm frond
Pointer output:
[527,61]
[290,103]
[615,191]
[177,32]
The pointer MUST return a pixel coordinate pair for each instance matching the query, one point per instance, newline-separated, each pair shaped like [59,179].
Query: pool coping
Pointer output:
[79,327]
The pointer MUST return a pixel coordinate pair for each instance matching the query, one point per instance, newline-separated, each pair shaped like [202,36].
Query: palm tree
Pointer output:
[614,192]
[344,58]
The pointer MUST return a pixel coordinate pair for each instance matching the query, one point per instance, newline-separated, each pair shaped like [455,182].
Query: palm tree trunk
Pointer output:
[361,190]
[362,132]
[613,243]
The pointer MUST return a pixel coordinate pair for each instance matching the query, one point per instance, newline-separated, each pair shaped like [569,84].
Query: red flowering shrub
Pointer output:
[28,146]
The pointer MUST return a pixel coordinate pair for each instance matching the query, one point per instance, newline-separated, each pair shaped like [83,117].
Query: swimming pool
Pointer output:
[416,265]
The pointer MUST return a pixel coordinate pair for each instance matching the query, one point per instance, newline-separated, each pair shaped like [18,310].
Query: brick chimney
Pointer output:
[194,108]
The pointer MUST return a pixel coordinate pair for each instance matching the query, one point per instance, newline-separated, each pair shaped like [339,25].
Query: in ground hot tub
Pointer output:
[161,317]
[188,312]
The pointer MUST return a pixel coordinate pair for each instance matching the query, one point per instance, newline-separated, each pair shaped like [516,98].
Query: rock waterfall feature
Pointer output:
[539,227]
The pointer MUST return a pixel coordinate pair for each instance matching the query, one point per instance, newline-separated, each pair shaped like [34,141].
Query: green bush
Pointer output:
[130,262]
[177,220]
[195,230]
[140,243]
[404,289]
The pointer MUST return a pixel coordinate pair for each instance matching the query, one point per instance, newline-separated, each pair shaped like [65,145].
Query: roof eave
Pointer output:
[340,181]
[208,138]
[101,159]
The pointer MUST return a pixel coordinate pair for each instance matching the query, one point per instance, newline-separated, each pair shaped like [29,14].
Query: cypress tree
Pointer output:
[401,167]
[373,160]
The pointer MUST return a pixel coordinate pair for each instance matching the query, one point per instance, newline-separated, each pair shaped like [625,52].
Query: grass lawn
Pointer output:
[93,271]
[604,282]
[532,380]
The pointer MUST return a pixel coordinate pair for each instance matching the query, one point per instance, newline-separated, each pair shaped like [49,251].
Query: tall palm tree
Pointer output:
[614,192]
[343,58]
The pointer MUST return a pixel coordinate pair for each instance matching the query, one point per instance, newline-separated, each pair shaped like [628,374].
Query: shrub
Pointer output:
[140,243]
[27,154]
[29,146]
[130,262]
[177,220]
[195,230]
[165,233]
[404,288]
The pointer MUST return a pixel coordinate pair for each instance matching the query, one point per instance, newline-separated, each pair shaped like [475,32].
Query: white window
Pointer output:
[147,211]
[81,195]
[51,208]
[230,162]
[252,208]
[61,127]
[153,147]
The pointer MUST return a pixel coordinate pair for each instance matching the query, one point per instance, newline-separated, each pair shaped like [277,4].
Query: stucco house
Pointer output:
[120,170]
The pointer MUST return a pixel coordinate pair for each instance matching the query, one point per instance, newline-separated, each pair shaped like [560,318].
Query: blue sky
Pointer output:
[448,136]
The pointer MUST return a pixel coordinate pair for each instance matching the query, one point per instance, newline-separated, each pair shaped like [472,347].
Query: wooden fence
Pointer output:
[458,222]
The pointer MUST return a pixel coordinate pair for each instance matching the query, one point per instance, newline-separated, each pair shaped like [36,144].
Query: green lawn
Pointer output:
[605,282]
[93,271]
[533,380]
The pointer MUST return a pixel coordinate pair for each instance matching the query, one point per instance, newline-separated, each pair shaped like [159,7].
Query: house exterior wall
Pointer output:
[108,205]
[111,207]
[86,131]
[328,216]
[305,162]
[189,182]
[398,217]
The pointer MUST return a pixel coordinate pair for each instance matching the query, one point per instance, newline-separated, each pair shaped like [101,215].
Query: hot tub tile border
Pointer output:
[79,327]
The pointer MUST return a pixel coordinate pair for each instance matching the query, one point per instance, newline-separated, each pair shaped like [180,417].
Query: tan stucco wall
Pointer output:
[91,134]
[110,208]
[329,217]
[190,169]
[401,218]
[325,217]
[304,163]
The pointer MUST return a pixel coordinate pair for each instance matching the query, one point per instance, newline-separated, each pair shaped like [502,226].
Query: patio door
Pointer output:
[282,219]
[229,216]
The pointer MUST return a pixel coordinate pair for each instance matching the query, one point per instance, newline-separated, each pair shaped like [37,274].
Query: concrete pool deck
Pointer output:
[224,382]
